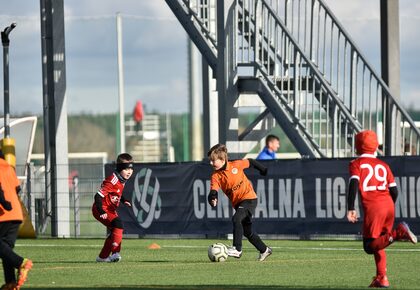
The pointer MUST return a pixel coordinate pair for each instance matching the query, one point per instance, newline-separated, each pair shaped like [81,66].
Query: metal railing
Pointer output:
[317,72]
[346,69]
[198,17]
[309,99]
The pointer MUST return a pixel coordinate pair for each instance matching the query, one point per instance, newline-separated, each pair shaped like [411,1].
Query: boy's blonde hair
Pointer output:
[218,151]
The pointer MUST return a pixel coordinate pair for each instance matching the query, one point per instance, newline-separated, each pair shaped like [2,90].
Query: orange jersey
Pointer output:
[233,182]
[9,182]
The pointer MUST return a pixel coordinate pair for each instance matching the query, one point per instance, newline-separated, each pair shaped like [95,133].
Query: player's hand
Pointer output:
[104,216]
[213,202]
[352,216]
[127,203]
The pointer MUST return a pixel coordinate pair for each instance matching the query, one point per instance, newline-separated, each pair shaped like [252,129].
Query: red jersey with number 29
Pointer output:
[375,177]
[111,191]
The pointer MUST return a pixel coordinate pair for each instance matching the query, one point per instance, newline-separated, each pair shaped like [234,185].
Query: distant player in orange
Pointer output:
[104,209]
[229,176]
[374,180]
[11,217]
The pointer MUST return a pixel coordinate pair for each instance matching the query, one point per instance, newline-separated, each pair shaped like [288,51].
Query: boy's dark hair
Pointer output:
[270,138]
[218,151]
[124,158]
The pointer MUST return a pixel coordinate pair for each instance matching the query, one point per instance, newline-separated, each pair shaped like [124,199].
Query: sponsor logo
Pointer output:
[146,202]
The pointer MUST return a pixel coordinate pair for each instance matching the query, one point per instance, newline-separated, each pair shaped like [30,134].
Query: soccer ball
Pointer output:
[217,252]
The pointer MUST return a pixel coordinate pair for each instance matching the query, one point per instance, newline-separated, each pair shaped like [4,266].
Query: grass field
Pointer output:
[183,264]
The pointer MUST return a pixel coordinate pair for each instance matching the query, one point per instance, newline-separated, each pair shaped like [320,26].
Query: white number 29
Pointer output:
[380,175]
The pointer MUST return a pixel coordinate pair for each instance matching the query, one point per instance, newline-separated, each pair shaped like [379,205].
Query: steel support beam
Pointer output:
[390,60]
[55,116]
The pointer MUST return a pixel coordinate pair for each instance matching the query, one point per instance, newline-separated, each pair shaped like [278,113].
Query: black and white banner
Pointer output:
[297,197]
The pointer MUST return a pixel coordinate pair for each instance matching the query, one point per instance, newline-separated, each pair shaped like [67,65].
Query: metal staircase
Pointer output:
[306,70]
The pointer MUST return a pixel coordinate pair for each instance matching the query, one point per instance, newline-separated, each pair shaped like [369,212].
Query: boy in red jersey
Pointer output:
[229,176]
[374,180]
[104,209]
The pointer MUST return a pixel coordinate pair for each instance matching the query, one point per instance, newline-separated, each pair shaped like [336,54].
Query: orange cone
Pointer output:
[154,246]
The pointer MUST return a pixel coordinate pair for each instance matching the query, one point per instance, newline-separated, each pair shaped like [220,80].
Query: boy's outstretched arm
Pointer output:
[98,204]
[212,198]
[257,165]
[351,212]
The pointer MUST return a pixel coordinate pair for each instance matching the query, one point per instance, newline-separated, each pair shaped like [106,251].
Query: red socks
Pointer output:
[112,243]
[380,261]
[106,249]
[116,236]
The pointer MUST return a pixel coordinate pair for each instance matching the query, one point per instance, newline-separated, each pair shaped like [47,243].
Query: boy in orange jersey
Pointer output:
[229,176]
[11,217]
[374,180]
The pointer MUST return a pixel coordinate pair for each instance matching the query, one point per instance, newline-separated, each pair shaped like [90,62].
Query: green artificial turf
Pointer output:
[183,264]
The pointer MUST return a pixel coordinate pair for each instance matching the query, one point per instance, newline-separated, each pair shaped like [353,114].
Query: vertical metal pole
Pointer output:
[5,42]
[55,116]
[76,206]
[6,90]
[390,58]
[194,103]
[120,82]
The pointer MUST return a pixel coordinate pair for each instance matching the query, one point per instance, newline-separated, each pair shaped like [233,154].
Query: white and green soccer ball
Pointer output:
[217,252]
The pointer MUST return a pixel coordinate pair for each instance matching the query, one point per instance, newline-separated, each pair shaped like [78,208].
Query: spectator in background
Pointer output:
[272,144]
[11,217]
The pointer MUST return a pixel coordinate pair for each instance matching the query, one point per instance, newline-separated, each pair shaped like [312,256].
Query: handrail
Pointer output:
[340,60]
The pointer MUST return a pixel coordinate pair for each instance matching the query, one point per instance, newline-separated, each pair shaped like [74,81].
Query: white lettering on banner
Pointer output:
[299,201]
[272,212]
[201,206]
[198,191]
[286,209]
[408,201]
[331,202]
[289,201]
[261,210]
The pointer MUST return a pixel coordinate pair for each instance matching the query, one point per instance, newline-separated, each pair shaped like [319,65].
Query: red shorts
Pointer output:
[106,222]
[378,219]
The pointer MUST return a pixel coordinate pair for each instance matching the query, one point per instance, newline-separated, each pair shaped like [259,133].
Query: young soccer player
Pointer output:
[104,209]
[229,176]
[11,217]
[374,180]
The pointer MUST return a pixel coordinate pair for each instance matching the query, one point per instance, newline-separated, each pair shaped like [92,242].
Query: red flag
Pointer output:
[138,112]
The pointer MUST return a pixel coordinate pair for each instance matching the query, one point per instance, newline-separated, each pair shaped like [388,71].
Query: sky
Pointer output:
[155,53]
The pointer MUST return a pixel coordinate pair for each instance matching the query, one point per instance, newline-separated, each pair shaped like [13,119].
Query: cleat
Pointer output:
[116,257]
[265,255]
[404,233]
[379,282]
[101,260]
[24,269]
[9,286]
[233,252]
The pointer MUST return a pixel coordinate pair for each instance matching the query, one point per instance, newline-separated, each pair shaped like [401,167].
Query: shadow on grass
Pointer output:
[201,287]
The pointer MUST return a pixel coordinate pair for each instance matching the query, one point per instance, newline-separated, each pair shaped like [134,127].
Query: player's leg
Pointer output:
[116,236]
[250,234]
[12,261]
[106,248]
[238,231]
[378,234]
